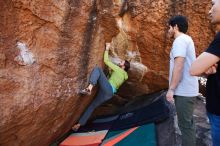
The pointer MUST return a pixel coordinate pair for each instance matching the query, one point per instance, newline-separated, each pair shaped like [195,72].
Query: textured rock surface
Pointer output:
[48,48]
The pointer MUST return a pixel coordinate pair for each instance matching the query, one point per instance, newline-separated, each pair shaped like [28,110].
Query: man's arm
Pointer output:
[205,62]
[177,72]
[176,77]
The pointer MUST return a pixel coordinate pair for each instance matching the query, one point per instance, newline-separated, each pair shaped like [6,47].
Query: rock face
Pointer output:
[49,47]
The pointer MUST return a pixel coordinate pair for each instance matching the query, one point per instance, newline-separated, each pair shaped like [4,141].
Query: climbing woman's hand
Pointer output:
[107,46]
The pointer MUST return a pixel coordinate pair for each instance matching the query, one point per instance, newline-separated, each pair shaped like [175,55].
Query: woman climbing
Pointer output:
[107,87]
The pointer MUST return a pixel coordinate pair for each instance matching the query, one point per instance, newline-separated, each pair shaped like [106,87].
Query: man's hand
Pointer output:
[107,46]
[212,70]
[169,95]
[202,63]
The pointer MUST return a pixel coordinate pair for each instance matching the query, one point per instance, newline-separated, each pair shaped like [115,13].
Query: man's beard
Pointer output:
[171,35]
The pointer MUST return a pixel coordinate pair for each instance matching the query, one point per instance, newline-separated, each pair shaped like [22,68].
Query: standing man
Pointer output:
[208,63]
[182,86]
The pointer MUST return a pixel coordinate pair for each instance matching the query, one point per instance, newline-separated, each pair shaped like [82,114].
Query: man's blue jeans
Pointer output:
[215,128]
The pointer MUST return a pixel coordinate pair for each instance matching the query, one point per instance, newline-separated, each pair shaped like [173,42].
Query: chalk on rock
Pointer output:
[25,57]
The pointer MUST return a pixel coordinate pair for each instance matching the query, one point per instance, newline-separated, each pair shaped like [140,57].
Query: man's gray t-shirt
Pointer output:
[183,46]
